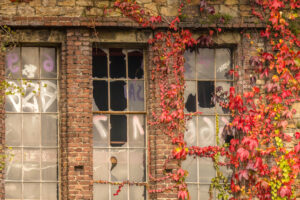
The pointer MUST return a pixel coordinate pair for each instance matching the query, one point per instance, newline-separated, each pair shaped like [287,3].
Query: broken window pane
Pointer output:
[189,65]
[13,190]
[190,134]
[190,96]
[136,95]
[118,165]
[137,165]
[100,95]
[225,88]
[12,64]
[118,131]
[30,62]
[101,191]
[99,63]
[101,164]
[48,63]
[118,100]
[117,63]
[190,164]
[13,164]
[49,96]
[205,64]
[31,164]
[31,101]
[31,191]
[49,164]
[137,192]
[136,130]
[13,128]
[49,130]
[135,64]
[49,191]
[205,93]
[100,130]
[223,63]
[31,129]
[13,99]
[206,134]
[206,170]
[225,133]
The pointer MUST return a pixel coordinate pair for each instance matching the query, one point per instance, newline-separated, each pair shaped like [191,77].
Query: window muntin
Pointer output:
[119,122]
[32,124]
[205,70]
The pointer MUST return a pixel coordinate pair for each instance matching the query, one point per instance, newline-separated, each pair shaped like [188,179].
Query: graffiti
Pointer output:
[15,99]
[136,92]
[29,70]
[12,59]
[206,133]
[223,67]
[30,100]
[48,64]
[48,92]
[137,127]
[99,126]
[190,133]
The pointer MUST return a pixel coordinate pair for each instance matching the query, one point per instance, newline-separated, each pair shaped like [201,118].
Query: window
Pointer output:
[31,124]
[119,122]
[205,71]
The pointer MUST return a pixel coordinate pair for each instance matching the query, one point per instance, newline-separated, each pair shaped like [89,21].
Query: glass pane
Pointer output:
[12,64]
[13,129]
[190,96]
[100,130]
[206,134]
[224,130]
[223,63]
[101,191]
[100,95]
[13,190]
[205,94]
[136,130]
[31,164]
[204,192]
[49,191]
[49,164]
[14,164]
[225,86]
[99,63]
[48,63]
[49,96]
[118,130]
[118,97]
[101,161]
[206,170]
[189,65]
[137,165]
[118,165]
[49,130]
[136,95]
[135,64]
[193,191]
[205,64]
[122,195]
[190,164]
[31,191]
[13,99]
[30,62]
[137,192]
[31,129]
[190,135]
[30,101]
[117,63]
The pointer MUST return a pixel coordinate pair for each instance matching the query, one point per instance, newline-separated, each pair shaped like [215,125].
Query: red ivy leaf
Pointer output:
[243,154]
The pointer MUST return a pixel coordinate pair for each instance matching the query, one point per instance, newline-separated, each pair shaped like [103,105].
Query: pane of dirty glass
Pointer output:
[49,191]
[13,128]
[118,130]
[117,63]
[100,94]
[193,191]
[101,191]
[30,62]
[223,63]
[190,96]
[49,96]
[101,164]
[135,64]
[189,65]
[136,130]
[49,164]
[118,165]
[204,192]
[205,64]
[13,97]
[190,135]
[48,63]
[225,86]
[226,171]
[31,101]
[123,195]
[31,164]
[49,130]
[100,130]
[136,95]
[224,129]
[137,192]
[190,164]
[137,165]
[206,134]
[31,129]
[13,164]
[31,191]
[99,63]
[205,96]
[206,170]
[13,190]
[118,97]
[12,64]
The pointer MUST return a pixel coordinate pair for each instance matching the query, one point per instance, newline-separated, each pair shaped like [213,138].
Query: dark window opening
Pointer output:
[118,131]
[205,94]
[117,95]
[99,63]
[190,104]
[117,63]
[100,93]
[135,65]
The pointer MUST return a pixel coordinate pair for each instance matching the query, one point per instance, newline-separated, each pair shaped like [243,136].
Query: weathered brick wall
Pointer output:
[2,128]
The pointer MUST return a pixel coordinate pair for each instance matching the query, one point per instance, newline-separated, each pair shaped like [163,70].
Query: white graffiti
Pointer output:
[223,67]
[29,70]
[190,134]
[99,126]
[137,127]
[14,99]
[48,94]
[206,133]
[30,100]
